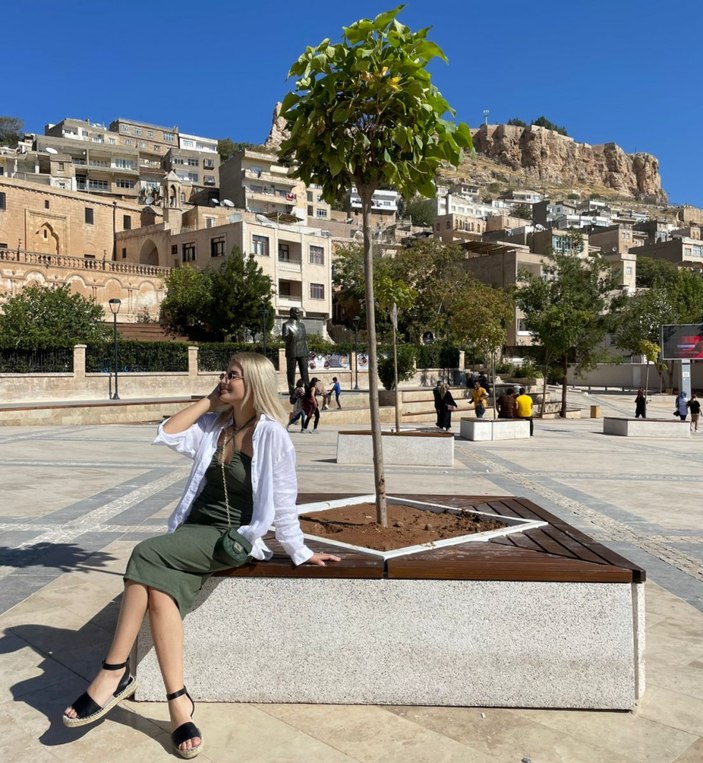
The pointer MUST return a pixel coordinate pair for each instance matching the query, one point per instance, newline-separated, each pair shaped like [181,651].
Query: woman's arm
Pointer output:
[185,419]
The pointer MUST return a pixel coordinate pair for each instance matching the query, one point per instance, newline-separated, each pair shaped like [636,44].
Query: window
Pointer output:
[174,248]
[169,137]
[189,252]
[321,212]
[209,164]
[284,252]
[88,256]
[142,144]
[192,162]
[317,291]
[88,216]
[317,255]
[124,183]
[217,247]
[157,147]
[210,222]
[125,164]
[137,130]
[124,128]
[310,210]
[178,160]
[193,177]
[209,180]
[62,166]
[124,254]
[111,141]
[284,288]
[149,133]
[127,141]
[126,222]
[309,195]
[46,203]
[98,185]
[187,143]
[260,245]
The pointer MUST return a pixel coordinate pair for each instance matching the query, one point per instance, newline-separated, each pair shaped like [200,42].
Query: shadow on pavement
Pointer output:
[67,557]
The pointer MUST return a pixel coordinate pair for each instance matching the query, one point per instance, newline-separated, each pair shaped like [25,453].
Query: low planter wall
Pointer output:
[494,429]
[661,428]
[480,623]
[399,448]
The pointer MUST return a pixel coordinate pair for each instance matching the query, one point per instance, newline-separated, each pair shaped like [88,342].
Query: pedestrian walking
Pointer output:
[695,407]
[478,398]
[297,413]
[444,405]
[681,406]
[310,409]
[242,482]
[337,389]
[321,391]
[523,409]
[641,404]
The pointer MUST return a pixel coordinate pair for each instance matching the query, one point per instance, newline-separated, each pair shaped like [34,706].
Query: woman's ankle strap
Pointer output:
[176,694]
[114,666]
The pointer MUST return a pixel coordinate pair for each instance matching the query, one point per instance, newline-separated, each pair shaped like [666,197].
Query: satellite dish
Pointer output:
[227,202]
[149,200]
[50,150]
[216,202]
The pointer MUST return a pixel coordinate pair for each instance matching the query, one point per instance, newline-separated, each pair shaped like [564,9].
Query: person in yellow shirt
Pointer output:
[479,397]
[523,403]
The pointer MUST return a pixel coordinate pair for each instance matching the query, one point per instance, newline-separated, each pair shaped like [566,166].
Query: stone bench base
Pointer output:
[410,642]
[399,448]
[661,428]
[494,429]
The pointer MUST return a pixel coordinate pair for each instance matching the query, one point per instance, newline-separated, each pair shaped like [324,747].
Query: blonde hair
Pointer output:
[260,384]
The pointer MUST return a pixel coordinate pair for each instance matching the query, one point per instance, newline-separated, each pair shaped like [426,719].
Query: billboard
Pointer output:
[682,341]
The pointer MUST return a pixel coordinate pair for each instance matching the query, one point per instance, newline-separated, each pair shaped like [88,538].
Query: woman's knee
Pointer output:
[160,601]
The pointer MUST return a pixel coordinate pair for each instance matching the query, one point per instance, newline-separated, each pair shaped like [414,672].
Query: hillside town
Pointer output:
[111,209]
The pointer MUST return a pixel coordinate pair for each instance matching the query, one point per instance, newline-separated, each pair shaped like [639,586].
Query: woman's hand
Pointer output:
[320,559]
[214,399]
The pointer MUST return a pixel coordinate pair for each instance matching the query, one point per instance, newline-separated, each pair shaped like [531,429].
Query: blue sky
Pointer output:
[615,70]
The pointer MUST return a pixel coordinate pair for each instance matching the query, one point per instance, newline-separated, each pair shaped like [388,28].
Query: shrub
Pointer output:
[134,356]
[406,365]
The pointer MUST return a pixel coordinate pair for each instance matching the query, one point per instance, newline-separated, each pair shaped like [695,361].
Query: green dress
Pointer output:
[179,563]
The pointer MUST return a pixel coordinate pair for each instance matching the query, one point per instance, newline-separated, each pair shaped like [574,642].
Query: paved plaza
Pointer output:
[77,499]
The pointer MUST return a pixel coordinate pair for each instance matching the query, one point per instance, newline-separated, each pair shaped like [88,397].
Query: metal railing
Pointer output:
[21,361]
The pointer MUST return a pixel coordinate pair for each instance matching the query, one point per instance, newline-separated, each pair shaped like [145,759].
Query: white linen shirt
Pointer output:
[273,480]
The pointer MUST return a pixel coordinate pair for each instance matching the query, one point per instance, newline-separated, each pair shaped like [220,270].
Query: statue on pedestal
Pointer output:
[295,338]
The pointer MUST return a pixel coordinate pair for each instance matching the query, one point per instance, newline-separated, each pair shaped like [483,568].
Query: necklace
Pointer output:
[234,429]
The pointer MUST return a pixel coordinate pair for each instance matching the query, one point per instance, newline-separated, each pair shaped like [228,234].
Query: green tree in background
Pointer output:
[544,122]
[567,309]
[421,211]
[365,113]
[523,211]
[218,304]
[42,317]
[11,130]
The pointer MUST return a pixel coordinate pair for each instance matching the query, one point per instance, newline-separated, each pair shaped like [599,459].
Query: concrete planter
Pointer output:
[660,428]
[413,638]
[399,448]
[494,429]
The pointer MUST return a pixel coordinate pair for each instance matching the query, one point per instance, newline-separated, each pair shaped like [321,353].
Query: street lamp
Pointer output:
[114,309]
[264,322]
[356,320]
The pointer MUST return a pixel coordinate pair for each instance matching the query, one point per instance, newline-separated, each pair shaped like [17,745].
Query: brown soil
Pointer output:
[407,526]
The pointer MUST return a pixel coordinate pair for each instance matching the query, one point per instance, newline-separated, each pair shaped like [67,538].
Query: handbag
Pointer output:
[676,413]
[451,407]
[231,548]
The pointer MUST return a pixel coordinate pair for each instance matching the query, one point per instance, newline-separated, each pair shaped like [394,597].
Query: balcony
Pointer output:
[290,266]
[271,177]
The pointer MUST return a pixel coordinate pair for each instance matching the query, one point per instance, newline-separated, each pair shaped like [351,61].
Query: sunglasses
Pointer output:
[230,376]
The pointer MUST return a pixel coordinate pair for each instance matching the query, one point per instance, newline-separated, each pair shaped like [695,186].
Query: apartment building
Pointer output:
[318,209]
[197,168]
[453,227]
[682,252]
[384,203]
[255,182]
[296,257]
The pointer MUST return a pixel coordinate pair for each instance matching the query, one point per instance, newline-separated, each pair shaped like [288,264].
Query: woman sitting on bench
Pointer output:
[242,481]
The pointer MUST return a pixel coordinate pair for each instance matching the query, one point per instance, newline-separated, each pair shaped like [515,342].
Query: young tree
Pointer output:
[421,211]
[566,309]
[365,113]
[523,211]
[186,307]
[42,317]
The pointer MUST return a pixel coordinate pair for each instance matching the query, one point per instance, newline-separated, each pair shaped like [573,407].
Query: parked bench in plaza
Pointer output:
[409,448]
[494,429]
[664,428]
[544,617]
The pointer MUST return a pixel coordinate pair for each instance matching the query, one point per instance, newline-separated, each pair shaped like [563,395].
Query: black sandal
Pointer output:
[187,730]
[88,710]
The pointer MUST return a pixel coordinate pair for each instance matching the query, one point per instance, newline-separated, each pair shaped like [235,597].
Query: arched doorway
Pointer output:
[149,254]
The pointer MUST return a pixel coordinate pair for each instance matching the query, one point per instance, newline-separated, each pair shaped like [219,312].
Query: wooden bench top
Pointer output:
[554,553]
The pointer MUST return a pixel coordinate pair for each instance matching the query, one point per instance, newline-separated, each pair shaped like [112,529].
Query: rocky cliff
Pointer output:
[542,157]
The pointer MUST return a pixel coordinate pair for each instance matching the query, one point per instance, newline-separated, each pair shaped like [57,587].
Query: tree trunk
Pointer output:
[366,192]
[544,391]
[565,369]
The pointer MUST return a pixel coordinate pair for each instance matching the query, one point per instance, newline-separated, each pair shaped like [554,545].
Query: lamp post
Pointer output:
[114,309]
[356,320]
[264,322]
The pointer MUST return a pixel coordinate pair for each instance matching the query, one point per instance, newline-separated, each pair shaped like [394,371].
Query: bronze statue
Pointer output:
[295,337]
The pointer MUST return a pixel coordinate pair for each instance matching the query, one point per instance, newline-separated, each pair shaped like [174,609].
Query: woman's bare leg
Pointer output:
[132,611]
[167,633]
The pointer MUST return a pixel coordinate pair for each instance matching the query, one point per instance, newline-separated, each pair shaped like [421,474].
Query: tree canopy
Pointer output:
[544,122]
[42,317]
[220,303]
[365,112]
[11,129]
[566,309]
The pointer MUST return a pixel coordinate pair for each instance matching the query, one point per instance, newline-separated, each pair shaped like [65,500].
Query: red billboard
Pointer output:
[682,341]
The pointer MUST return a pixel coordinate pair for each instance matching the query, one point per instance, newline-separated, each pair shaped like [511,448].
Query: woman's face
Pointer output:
[232,383]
